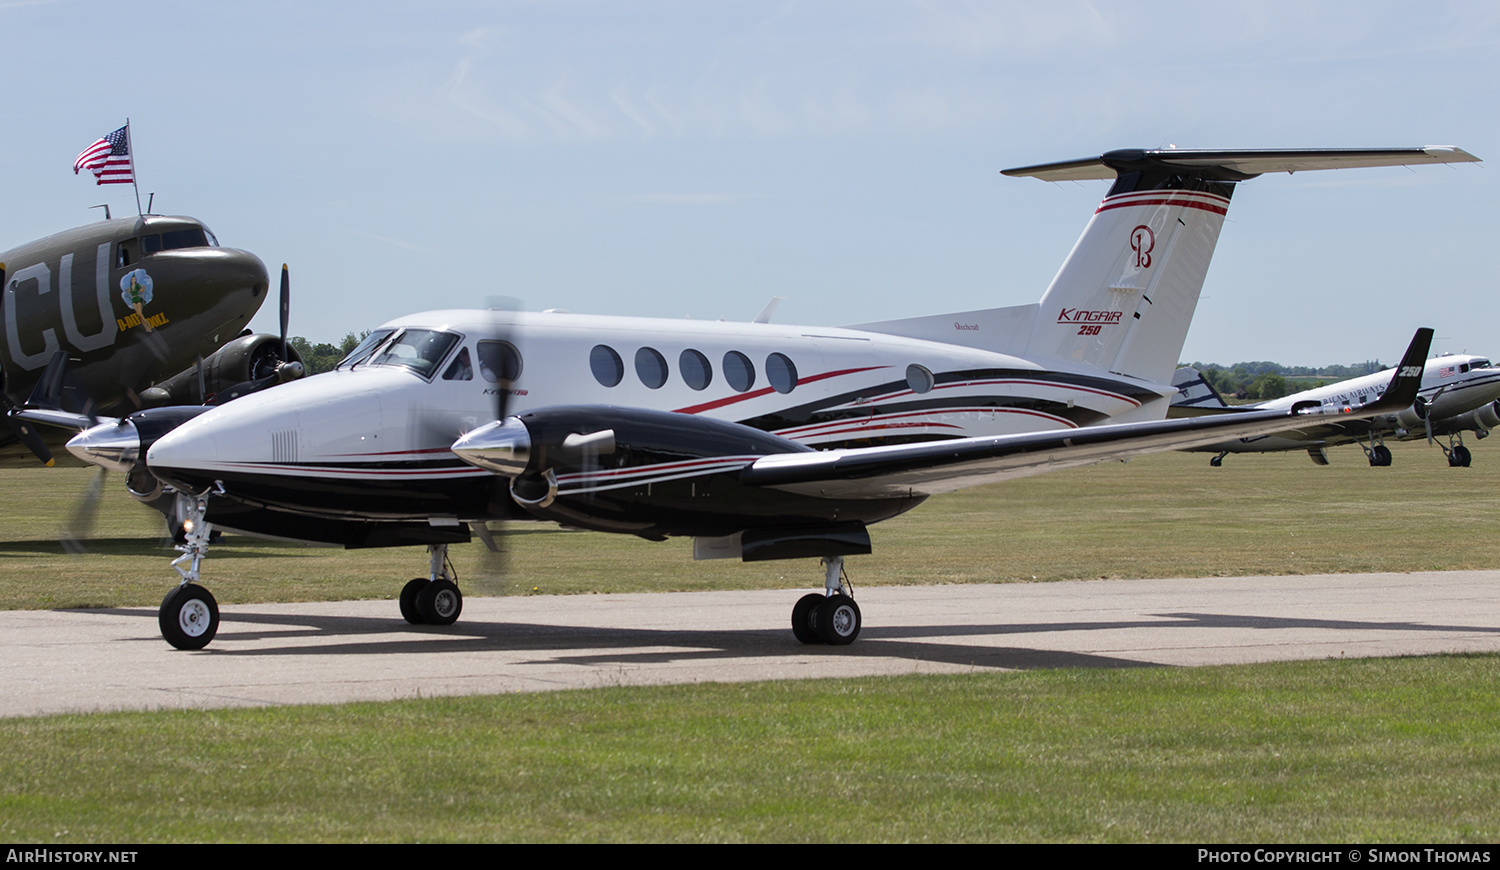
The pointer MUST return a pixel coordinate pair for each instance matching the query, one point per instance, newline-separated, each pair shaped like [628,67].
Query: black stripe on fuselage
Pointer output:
[828,410]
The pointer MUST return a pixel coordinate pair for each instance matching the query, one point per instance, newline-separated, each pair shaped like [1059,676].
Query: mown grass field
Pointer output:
[1401,750]
[1159,516]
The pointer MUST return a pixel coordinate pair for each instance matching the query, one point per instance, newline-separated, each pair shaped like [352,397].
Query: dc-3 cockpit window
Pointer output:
[420,350]
[1481,363]
[171,240]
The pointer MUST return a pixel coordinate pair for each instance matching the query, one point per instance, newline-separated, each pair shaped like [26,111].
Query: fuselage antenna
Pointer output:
[105,206]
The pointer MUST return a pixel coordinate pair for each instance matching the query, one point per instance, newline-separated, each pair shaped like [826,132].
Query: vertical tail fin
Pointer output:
[1124,298]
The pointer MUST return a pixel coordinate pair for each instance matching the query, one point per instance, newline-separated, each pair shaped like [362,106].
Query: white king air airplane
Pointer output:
[760,441]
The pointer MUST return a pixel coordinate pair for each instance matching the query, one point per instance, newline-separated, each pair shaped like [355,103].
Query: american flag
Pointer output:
[108,159]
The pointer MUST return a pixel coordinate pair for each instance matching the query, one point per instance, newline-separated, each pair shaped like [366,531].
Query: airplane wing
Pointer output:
[1241,165]
[936,467]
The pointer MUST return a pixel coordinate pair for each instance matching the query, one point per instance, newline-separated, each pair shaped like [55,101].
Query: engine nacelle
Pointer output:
[1414,418]
[247,358]
[1482,420]
[121,446]
[651,473]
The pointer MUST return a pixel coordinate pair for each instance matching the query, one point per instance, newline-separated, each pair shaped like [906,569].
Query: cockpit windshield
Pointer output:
[420,350]
[366,347]
[171,240]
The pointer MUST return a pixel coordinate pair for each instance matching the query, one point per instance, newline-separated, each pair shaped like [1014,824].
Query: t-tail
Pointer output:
[1124,298]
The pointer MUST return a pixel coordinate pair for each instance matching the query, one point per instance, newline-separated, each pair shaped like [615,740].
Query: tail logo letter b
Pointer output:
[1142,240]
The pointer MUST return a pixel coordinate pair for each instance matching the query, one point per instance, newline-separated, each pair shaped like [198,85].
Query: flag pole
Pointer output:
[130,147]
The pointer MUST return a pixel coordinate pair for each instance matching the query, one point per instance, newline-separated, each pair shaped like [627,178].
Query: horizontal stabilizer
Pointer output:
[1238,165]
[1194,394]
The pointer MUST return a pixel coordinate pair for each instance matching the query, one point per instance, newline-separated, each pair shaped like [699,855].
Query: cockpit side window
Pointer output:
[461,369]
[499,361]
[363,350]
[420,350]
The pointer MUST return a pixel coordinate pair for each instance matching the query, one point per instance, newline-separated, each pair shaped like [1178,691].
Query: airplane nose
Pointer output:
[503,447]
[114,446]
[234,268]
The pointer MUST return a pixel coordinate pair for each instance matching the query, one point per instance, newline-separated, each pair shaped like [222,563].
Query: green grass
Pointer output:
[1401,750]
[1336,751]
[1160,516]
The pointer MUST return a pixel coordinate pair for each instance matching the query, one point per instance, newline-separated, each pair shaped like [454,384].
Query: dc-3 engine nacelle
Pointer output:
[1413,419]
[247,359]
[1481,420]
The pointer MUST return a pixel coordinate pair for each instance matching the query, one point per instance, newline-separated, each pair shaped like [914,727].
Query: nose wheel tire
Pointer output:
[189,617]
[409,594]
[837,620]
[440,603]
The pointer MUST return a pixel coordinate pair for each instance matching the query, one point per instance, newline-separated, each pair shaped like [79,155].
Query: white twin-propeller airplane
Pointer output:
[1460,393]
[759,440]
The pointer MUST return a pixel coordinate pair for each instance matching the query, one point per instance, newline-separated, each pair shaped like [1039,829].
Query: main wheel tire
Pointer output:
[1380,456]
[804,618]
[189,617]
[409,594]
[1461,457]
[440,603]
[837,620]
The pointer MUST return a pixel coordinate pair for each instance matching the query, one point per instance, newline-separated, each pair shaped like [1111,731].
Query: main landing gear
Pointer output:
[434,599]
[831,617]
[1458,455]
[1379,454]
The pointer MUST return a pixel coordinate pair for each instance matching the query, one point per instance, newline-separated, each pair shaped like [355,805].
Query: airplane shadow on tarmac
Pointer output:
[589,645]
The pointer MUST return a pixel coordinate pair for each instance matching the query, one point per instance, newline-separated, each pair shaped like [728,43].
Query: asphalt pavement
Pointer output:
[325,653]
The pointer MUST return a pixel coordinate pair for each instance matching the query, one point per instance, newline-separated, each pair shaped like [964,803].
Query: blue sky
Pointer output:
[687,159]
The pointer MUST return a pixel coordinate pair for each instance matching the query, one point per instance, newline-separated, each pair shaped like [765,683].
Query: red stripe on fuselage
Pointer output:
[755,394]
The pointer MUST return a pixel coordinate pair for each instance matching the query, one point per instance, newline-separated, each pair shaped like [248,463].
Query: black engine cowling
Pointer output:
[651,473]
[247,358]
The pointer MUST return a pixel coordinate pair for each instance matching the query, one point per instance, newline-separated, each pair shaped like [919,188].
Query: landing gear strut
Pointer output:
[189,615]
[434,599]
[1379,454]
[1458,455]
[832,617]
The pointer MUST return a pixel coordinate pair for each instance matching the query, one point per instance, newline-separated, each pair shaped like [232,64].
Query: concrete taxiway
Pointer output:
[269,654]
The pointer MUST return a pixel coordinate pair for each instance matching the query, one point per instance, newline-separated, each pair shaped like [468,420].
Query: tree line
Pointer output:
[1263,380]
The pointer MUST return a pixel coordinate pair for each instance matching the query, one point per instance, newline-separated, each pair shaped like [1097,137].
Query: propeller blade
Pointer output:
[286,308]
[81,526]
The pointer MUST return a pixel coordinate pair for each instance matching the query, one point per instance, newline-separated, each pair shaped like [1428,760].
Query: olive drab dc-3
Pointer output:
[758,440]
[129,306]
